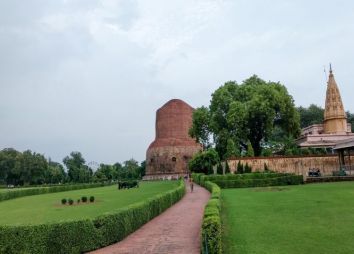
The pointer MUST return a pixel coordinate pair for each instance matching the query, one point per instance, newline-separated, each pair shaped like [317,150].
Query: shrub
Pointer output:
[84,199]
[78,201]
[92,199]
[58,188]
[70,201]
[211,226]
[63,201]
[85,235]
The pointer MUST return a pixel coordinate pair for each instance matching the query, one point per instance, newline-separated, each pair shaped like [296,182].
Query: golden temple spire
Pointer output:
[334,115]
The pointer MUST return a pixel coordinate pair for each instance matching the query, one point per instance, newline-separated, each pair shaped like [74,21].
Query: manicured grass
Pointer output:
[313,218]
[47,207]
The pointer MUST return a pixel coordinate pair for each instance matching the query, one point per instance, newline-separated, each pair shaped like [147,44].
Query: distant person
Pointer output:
[191,184]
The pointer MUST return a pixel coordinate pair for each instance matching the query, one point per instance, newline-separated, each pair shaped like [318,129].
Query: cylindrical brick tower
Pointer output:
[168,155]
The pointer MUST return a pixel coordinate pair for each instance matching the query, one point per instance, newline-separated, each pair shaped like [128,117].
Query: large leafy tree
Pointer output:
[77,170]
[244,113]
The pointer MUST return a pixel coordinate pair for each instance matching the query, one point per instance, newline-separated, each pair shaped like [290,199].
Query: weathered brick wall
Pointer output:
[290,164]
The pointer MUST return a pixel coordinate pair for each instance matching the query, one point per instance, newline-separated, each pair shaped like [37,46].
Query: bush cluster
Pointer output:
[85,235]
[83,199]
[58,188]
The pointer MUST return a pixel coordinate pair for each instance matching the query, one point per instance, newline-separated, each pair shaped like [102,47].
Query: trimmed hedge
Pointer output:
[246,183]
[85,235]
[11,194]
[325,179]
[249,180]
[211,226]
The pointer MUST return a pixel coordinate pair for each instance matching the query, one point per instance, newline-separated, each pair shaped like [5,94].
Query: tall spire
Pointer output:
[334,115]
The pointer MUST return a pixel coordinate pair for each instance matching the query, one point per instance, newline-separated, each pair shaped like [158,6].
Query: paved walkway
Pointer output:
[177,230]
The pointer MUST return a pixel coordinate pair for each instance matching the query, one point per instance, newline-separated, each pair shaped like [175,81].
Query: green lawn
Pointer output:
[313,218]
[47,207]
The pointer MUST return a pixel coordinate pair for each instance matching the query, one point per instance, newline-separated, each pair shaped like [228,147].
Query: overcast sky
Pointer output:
[88,76]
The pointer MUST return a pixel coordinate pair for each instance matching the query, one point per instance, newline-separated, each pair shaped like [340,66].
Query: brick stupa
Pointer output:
[168,155]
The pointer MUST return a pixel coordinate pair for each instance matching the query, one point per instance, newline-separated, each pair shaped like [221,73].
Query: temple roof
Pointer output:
[334,106]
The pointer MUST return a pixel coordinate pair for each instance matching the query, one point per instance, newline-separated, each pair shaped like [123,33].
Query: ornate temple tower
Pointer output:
[335,120]
[334,128]
[168,155]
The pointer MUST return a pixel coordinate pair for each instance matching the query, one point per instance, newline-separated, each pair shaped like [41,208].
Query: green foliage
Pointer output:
[85,235]
[231,149]
[219,169]
[227,168]
[28,168]
[43,190]
[84,199]
[211,226]
[247,169]
[78,172]
[257,179]
[311,115]
[249,111]
[63,201]
[78,201]
[203,162]
[261,182]
[70,201]
[250,152]
[200,128]
[239,169]
[92,199]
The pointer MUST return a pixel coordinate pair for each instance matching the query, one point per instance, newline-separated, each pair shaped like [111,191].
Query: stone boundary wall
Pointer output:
[290,164]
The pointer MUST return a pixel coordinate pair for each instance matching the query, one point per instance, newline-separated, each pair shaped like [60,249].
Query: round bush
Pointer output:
[63,201]
[92,199]
[70,201]
[84,199]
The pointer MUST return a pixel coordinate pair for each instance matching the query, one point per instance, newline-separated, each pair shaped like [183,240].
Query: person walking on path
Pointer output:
[175,231]
[191,183]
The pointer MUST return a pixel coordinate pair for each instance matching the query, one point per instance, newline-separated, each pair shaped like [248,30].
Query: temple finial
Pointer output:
[330,68]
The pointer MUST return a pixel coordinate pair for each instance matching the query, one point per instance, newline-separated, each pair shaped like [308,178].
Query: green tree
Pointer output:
[204,161]
[311,115]
[249,111]
[350,119]
[200,128]
[55,173]
[77,170]
[8,159]
[240,168]
[250,152]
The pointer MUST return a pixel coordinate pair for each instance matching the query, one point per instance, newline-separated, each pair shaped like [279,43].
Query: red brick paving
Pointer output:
[177,230]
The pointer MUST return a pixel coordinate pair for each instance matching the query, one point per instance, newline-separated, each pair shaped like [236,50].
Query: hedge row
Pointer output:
[11,194]
[86,235]
[211,227]
[249,180]
[246,183]
[325,179]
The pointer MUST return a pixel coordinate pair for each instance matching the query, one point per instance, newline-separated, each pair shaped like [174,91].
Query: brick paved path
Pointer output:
[177,230]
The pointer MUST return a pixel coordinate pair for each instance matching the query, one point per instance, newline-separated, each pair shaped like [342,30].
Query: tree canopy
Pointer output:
[245,113]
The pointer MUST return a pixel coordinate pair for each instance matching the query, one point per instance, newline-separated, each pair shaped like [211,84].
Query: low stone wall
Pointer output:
[290,164]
